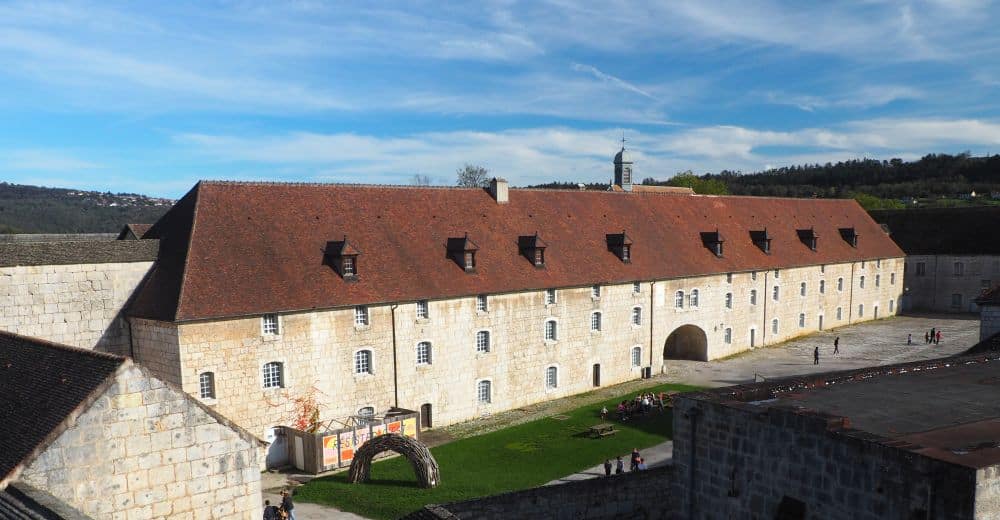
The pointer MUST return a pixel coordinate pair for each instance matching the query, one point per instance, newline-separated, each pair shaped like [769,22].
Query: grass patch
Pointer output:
[519,457]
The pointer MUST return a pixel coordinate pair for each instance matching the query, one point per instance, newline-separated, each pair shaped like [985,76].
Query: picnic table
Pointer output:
[602,430]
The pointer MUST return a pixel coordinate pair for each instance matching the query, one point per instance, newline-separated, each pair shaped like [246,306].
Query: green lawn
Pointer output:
[519,457]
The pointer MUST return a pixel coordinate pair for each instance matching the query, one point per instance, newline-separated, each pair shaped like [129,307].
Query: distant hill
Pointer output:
[34,209]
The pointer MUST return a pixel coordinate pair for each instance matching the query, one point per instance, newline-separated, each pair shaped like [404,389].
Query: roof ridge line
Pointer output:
[63,346]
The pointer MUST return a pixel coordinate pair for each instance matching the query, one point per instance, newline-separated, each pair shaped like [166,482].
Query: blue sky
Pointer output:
[150,97]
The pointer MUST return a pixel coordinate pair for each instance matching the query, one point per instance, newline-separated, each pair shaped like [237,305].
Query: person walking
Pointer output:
[932,334]
[927,338]
[836,346]
[937,340]
[286,504]
[271,512]
[607,467]
[909,339]
[634,463]
[619,466]
[816,356]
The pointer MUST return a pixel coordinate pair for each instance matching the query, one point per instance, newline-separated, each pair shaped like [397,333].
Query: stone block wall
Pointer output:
[157,348]
[144,450]
[645,494]
[989,321]
[933,286]
[73,304]
[738,460]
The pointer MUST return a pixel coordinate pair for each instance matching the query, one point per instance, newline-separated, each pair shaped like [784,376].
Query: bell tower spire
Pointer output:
[623,168]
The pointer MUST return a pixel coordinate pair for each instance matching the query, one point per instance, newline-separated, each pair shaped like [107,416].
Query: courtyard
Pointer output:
[538,444]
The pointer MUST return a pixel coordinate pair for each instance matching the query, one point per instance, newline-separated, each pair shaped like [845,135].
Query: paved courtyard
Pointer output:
[873,343]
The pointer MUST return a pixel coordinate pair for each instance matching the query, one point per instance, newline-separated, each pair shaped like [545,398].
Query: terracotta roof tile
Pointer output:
[232,249]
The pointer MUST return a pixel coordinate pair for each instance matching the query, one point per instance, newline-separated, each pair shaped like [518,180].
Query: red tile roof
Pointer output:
[233,249]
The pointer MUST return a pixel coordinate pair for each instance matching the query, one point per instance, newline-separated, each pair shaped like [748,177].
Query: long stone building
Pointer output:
[457,302]
[949,259]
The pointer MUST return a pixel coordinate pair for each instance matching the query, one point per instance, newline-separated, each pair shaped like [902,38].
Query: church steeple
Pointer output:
[623,168]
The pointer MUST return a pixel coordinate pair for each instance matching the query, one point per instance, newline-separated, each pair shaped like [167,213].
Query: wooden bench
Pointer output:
[602,430]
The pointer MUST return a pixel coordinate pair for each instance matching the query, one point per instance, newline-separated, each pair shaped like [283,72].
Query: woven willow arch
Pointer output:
[424,464]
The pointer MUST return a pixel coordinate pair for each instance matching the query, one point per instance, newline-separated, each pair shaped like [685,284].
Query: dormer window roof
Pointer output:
[463,252]
[762,239]
[343,257]
[621,245]
[849,235]
[713,240]
[532,247]
[808,237]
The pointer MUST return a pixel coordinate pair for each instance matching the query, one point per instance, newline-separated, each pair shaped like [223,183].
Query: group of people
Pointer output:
[934,336]
[641,405]
[285,511]
[635,464]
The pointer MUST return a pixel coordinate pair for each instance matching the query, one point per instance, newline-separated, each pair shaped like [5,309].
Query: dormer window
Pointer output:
[849,235]
[463,252]
[808,237]
[533,248]
[343,257]
[762,240]
[621,245]
[713,240]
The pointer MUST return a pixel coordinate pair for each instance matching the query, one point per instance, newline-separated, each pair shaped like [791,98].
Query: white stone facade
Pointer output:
[143,450]
[317,350]
[76,305]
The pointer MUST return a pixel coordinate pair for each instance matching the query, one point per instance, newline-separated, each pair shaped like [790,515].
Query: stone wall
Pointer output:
[317,349]
[645,494]
[933,286]
[989,321]
[737,460]
[144,450]
[73,304]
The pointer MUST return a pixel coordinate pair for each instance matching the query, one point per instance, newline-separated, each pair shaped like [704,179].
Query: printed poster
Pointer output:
[395,426]
[377,430]
[361,436]
[330,450]
[346,447]
[410,427]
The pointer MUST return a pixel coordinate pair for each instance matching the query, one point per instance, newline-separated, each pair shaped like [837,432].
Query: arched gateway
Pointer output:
[686,342]
[416,452]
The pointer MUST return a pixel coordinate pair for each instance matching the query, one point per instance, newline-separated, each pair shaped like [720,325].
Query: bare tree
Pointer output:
[473,176]
[420,179]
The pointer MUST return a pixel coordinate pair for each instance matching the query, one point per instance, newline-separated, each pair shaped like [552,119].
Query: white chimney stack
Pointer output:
[498,189]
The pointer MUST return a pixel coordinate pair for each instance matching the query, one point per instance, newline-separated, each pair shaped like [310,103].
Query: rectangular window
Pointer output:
[470,260]
[753,296]
[550,297]
[840,313]
[483,341]
[423,311]
[595,322]
[551,331]
[636,287]
[802,320]
[729,336]
[729,300]
[862,264]
[483,392]
[679,299]
[206,385]
[637,316]
[878,263]
[270,324]
[424,353]
[481,304]
[774,326]
[775,295]
[595,291]
[729,277]
[539,257]
[361,316]
[822,286]
[551,377]
[862,282]
[892,278]
[892,305]
[956,301]
[921,269]
[959,268]
[272,375]
[777,274]
[802,289]
[878,280]
[636,356]
[822,268]
[363,362]
[861,310]
[753,276]
[348,266]
[840,284]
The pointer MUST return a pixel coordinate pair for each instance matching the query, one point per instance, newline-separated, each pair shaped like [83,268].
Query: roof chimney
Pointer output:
[498,190]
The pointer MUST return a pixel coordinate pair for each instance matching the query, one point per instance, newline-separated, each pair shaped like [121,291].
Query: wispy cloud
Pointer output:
[43,160]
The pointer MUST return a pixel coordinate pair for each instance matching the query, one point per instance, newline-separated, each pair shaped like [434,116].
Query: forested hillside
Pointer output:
[34,209]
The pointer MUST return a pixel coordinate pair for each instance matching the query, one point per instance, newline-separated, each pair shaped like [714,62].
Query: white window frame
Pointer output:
[489,341]
[360,360]
[206,392]
[777,274]
[728,336]
[551,377]
[423,310]
[840,313]
[636,287]
[802,320]
[428,355]
[729,300]
[637,316]
[266,325]
[550,297]
[488,385]
[679,300]
[482,303]
[595,322]
[776,293]
[349,266]
[774,326]
[693,298]
[362,318]
[595,292]
[802,289]
[269,380]
[636,356]
[555,330]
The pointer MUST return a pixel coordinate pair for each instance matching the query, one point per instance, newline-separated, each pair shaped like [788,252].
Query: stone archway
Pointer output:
[424,464]
[686,342]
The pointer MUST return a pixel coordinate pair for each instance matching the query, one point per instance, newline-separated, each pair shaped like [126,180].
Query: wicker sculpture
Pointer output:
[416,452]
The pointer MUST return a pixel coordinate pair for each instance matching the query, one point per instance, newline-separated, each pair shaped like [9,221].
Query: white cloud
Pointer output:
[43,160]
